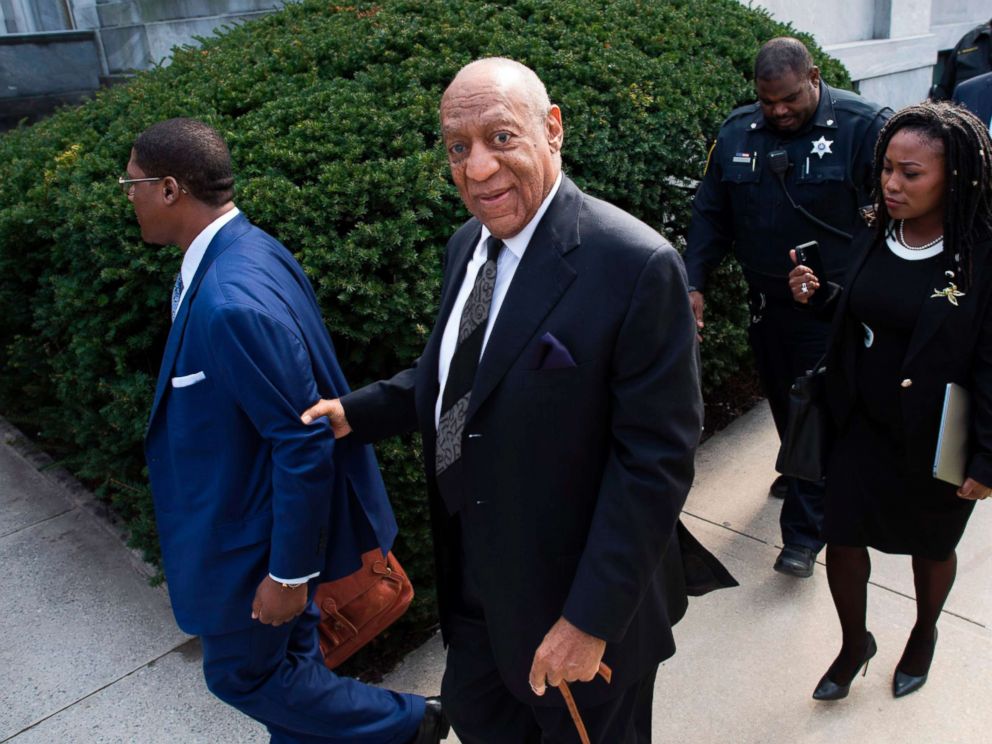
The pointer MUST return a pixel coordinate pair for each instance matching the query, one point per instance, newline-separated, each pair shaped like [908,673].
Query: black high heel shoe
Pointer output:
[903,684]
[830,690]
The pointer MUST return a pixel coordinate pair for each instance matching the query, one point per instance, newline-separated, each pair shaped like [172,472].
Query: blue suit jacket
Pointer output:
[976,94]
[241,487]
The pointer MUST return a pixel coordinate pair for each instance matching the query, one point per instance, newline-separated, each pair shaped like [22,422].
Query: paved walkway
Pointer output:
[90,653]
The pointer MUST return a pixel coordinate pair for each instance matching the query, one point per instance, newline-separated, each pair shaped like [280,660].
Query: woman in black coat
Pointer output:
[913,316]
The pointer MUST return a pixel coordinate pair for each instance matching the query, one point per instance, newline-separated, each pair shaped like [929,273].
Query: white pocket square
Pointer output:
[187,380]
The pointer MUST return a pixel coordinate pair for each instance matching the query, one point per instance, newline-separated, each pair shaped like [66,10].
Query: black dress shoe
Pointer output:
[903,684]
[779,487]
[830,690]
[434,725]
[795,560]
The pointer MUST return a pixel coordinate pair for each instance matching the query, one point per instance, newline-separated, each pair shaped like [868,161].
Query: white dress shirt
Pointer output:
[506,267]
[194,254]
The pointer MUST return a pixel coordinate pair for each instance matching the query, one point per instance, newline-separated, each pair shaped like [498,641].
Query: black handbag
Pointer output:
[803,453]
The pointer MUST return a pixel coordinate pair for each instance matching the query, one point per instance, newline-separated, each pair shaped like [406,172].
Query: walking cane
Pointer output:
[607,674]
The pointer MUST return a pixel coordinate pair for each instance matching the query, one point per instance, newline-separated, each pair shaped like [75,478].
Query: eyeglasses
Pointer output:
[126,183]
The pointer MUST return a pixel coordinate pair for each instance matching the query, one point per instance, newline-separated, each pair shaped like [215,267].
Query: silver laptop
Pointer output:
[951,458]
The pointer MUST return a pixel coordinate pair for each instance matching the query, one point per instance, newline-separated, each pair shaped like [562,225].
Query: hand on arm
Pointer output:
[275,604]
[334,412]
[566,654]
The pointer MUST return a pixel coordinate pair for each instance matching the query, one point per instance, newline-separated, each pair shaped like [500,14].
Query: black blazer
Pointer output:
[950,343]
[976,94]
[584,468]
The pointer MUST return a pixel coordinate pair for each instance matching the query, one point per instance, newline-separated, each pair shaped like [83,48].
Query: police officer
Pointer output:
[971,57]
[793,167]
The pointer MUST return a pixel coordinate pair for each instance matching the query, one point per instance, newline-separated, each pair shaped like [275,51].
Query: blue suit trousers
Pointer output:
[277,676]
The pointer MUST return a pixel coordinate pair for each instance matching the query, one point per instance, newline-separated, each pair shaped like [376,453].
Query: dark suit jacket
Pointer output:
[950,343]
[583,469]
[976,94]
[241,487]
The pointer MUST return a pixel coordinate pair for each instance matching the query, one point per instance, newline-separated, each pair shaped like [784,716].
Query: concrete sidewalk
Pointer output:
[90,653]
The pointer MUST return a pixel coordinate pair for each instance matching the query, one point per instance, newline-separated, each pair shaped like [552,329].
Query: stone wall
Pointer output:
[39,72]
[890,47]
[138,34]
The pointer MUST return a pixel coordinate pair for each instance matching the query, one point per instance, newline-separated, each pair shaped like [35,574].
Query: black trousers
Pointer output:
[787,342]
[482,710]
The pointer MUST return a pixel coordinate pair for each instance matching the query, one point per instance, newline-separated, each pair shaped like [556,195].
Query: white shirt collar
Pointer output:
[911,254]
[519,242]
[194,254]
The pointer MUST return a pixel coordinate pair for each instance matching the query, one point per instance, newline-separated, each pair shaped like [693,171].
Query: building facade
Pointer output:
[60,51]
[890,47]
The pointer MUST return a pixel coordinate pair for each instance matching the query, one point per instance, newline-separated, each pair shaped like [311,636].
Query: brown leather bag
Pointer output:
[357,608]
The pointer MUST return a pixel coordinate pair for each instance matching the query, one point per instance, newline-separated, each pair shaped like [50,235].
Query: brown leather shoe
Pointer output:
[434,726]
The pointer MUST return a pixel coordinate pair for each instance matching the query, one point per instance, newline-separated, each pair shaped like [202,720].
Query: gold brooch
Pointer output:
[951,291]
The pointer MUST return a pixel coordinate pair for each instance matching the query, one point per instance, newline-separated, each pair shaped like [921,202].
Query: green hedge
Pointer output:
[331,114]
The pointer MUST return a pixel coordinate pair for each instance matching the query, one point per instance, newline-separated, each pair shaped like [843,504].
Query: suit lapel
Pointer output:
[222,240]
[539,282]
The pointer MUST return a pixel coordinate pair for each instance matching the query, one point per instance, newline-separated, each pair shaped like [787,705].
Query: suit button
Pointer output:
[906,383]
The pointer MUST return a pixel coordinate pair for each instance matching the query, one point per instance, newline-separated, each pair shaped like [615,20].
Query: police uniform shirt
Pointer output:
[971,57]
[741,204]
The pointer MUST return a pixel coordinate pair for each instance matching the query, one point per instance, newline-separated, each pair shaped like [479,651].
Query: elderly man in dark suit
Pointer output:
[558,398]
[976,94]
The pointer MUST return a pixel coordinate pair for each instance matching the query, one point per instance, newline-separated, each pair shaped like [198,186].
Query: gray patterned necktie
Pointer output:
[461,372]
[177,293]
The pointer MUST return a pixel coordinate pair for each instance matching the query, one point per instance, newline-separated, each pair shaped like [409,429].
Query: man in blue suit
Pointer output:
[976,94]
[253,506]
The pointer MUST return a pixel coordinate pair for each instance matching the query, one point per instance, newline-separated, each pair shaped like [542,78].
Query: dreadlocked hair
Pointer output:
[967,177]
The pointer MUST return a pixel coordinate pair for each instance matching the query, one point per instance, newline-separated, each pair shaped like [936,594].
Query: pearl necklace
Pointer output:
[904,244]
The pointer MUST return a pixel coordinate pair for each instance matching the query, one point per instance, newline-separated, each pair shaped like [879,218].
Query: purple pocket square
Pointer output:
[553,354]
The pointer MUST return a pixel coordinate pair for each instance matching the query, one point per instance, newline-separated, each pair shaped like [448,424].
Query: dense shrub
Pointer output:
[331,113]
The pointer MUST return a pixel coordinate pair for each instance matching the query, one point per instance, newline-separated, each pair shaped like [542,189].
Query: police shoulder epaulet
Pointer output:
[845,100]
[746,110]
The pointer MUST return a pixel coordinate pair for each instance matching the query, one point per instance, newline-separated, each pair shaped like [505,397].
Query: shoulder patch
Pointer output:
[709,156]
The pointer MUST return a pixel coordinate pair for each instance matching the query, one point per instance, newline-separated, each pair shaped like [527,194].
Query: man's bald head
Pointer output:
[508,75]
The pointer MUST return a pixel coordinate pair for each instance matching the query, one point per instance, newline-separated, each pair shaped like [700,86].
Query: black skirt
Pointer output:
[873,500]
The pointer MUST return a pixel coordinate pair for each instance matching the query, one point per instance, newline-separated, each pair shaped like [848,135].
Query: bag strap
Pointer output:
[607,674]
